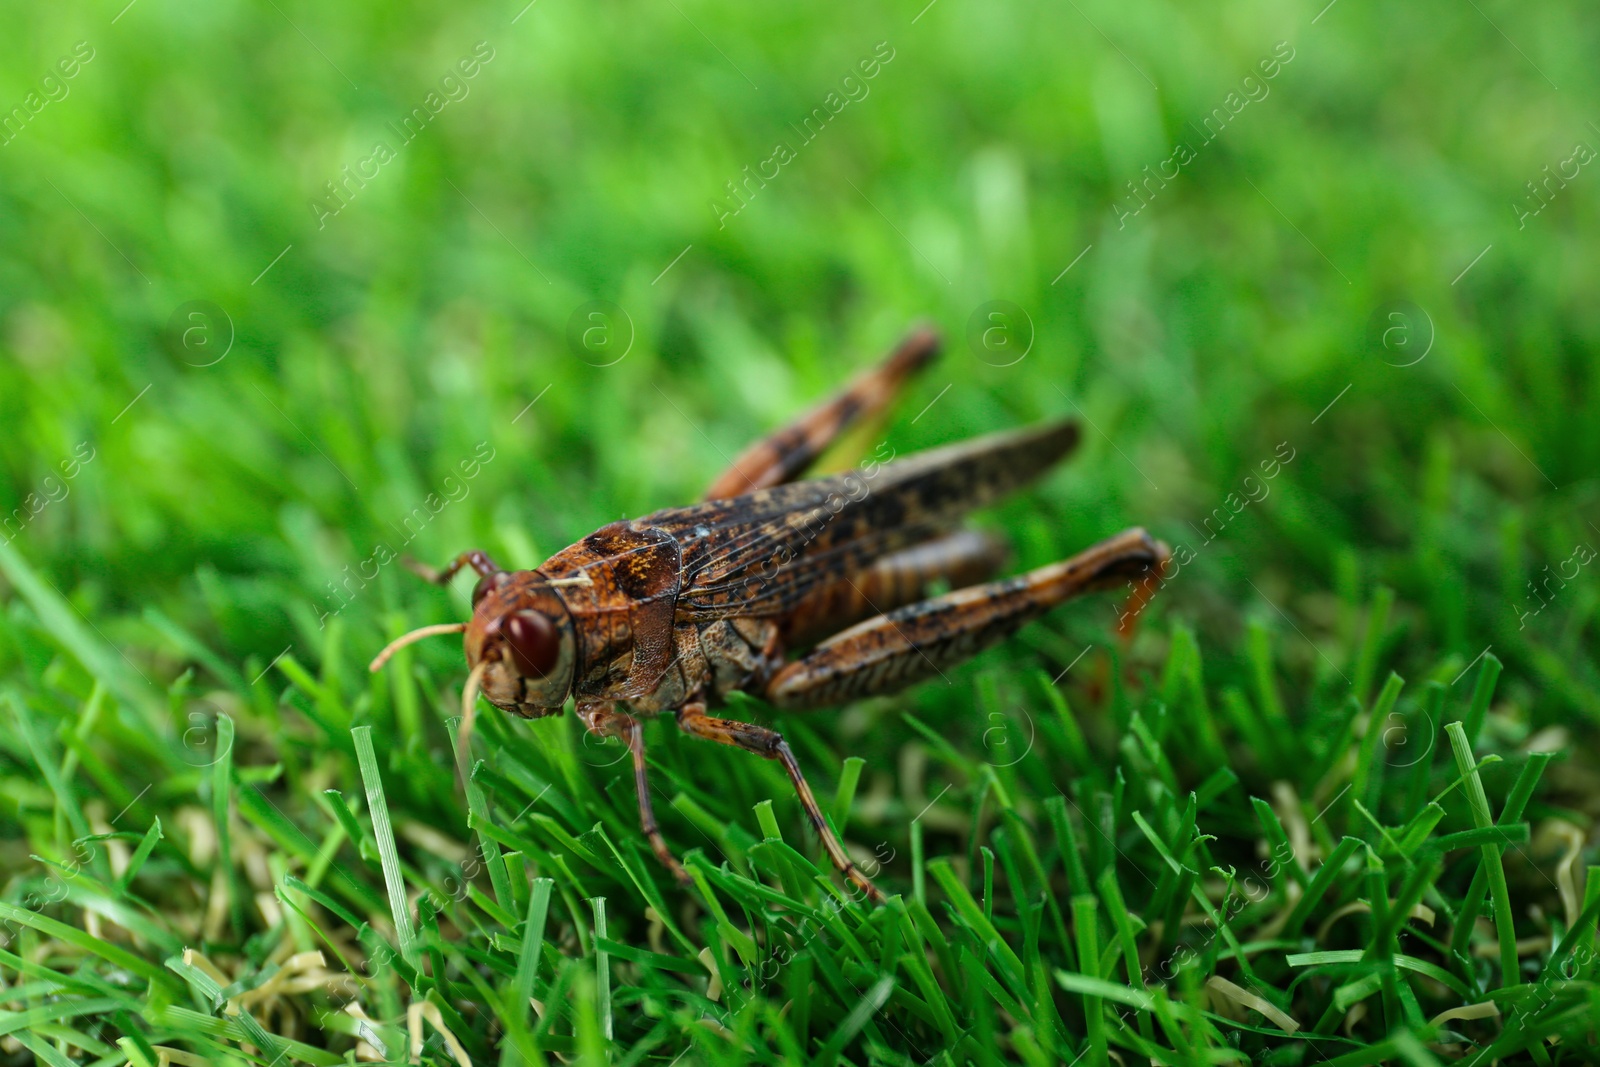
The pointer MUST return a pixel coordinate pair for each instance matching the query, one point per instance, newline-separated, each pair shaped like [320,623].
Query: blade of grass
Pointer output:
[602,970]
[1327,874]
[488,847]
[1516,802]
[1083,922]
[1278,847]
[66,624]
[1372,642]
[1122,923]
[845,795]
[49,769]
[853,1023]
[383,833]
[221,807]
[1368,779]
[1482,693]
[140,854]
[1500,895]
[1259,650]
[94,946]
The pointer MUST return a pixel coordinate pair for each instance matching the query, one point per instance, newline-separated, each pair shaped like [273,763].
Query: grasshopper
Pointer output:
[672,611]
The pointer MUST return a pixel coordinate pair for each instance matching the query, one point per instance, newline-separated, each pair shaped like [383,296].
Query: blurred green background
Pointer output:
[1354,271]
[986,155]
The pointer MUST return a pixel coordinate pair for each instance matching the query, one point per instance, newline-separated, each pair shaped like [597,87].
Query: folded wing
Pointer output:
[758,554]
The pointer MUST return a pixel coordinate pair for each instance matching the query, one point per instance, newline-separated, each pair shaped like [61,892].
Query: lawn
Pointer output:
[288,292]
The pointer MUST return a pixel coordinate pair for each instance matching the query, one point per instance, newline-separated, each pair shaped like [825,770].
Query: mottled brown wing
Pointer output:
[758,554]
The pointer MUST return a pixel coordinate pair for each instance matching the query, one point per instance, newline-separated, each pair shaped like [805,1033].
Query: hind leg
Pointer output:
[963,558]
[888,652]
[784,455]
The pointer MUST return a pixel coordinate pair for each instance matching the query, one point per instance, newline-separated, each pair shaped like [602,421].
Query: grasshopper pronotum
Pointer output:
[672,611]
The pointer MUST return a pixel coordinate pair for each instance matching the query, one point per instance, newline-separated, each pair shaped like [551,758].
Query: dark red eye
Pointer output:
[534,643]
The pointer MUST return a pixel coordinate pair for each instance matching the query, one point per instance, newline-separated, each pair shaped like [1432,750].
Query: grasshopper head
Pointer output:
[520,642]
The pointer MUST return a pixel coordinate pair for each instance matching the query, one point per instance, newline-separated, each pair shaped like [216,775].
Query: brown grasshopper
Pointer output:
[672,611]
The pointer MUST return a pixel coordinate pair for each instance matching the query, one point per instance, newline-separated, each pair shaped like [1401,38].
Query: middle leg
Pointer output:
[603,720]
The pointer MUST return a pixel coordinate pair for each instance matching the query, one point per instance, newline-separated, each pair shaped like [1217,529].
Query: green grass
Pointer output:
[1338,783]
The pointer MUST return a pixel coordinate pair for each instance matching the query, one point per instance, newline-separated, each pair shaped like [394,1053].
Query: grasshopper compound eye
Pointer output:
[535,645]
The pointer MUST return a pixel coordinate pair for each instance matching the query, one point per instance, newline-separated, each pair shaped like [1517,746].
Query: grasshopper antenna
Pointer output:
[411,638]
